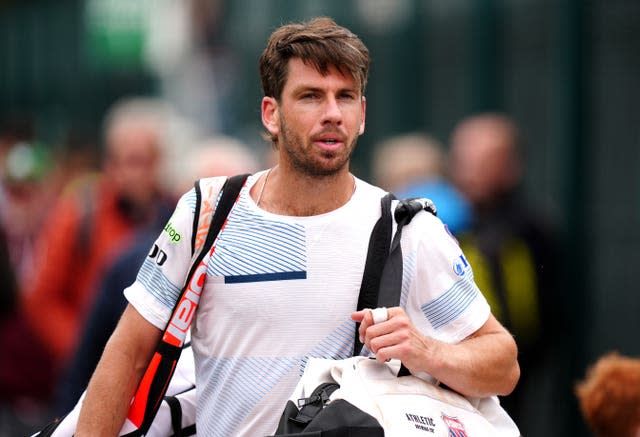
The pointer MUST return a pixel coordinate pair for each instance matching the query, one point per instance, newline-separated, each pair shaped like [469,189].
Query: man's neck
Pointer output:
[284,192]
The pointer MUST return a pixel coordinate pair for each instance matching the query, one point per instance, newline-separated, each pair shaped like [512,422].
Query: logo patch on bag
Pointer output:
[456,428]
[422,423]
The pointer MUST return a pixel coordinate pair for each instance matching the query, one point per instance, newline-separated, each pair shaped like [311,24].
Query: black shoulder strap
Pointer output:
[376,255]
[176,414]
[382,278]
[391,281]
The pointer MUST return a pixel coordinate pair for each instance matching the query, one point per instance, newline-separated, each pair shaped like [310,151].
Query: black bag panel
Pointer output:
[338,419]
[288,424]
[341,415]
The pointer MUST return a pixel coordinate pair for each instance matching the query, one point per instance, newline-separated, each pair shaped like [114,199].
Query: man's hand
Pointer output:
[397,338]
[483,364]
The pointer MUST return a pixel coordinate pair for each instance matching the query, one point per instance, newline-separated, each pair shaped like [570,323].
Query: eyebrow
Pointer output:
[313,88]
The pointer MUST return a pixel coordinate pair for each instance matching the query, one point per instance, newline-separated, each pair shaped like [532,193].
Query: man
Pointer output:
[94,221]
[509,246]
[285,272]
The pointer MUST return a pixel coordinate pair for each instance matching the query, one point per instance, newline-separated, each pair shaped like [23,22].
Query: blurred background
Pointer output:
[567,72]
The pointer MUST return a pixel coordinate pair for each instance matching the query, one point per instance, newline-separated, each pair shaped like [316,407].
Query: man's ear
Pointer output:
[271,115]
[364,115]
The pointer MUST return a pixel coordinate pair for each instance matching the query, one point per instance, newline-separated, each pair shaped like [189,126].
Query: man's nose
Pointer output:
[332,111]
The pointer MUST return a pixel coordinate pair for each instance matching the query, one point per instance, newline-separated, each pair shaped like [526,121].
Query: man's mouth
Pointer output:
[329,145]
[330,141]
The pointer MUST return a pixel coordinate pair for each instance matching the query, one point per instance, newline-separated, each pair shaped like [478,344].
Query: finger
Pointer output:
[386,338]
[386,353]
[395,346]
[379,315]
[365,325]
[380,336]
[357,316]
[396,312]
[388,320]
[372,317]
[364,318]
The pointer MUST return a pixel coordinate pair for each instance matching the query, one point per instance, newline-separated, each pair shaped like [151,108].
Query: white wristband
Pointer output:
[379,315]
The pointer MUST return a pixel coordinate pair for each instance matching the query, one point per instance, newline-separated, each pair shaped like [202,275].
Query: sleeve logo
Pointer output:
[460,265]
[174,236]
[157,254]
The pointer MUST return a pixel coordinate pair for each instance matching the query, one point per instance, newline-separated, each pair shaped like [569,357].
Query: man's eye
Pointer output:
[308,96]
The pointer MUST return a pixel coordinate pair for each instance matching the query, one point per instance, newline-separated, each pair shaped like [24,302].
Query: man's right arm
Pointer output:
[117,375]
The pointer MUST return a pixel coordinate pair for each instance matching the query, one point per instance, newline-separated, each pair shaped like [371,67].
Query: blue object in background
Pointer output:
[453,208]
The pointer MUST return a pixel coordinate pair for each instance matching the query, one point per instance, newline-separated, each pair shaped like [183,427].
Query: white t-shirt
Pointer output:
[281,289]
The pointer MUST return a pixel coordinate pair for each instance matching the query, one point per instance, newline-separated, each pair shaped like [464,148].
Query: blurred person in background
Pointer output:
[92,222]
[26,200]
[216,156]
[32,175]
[13,129]
[609,396]
[509,245]
[24,197]
[28,197]
[414,165]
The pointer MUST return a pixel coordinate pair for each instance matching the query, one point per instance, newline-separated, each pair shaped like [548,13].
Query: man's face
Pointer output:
[480,163]
[317,120]
[133,162]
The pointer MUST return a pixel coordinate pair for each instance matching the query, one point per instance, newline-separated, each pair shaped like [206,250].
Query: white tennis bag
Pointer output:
[405,406]
[176,414]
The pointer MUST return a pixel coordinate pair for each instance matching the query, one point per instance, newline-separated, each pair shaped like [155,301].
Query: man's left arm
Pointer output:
[483,364]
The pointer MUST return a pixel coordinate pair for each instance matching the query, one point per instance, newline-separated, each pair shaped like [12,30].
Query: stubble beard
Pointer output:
[330,164]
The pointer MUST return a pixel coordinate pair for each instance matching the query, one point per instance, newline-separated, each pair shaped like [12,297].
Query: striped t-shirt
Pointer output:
[281,289]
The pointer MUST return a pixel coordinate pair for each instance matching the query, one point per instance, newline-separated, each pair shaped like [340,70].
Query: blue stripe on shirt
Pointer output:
[450,304]
[265,277]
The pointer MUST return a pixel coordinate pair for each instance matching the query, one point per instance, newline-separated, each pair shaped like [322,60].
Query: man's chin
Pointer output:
[332,163]
[327,168]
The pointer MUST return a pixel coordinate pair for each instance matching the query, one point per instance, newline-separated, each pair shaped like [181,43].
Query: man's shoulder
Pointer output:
[368,192]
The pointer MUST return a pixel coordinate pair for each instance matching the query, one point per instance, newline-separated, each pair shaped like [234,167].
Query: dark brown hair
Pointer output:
[319,42]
